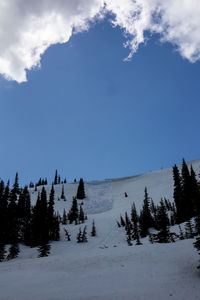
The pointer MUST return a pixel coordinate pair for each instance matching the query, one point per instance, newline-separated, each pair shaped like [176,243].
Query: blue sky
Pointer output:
[89,114]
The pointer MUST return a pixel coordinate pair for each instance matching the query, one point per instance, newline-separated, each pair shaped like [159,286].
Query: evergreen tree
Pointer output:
[145,220]
[187,205]
[13,225]
[56,228]
[197,246]
[181,236]
[138,242]
[50,213]
[64,218]
[79,236]
[81,216]
[44,249]
[73,213]
[129,240]
[13,251]
[44,232]
[4,194]
[93,232]
[24,215]
[56,177]
[118,224]
[189,234]
[122,221]
[197,225]
[63,194]
[16,189]
[178,195]
[163,235]
[2,251]
[81,190]
[194,193]
[67,234]
[134,216]
[127,221]
[84,235]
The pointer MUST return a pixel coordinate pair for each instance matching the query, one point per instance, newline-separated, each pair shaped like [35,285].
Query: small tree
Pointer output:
[56,177]
[122,221]
[93,232]
[81,216]
[181,236]
[81,190]
[67,234]
[197,246]
[79,236]
[63,194]
[84,236]
[64,218]
[73,213]
[44,249]
[189,234]
[13,251]
[2,252]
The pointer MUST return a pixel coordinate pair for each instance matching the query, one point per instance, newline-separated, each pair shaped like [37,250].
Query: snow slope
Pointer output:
[105,267]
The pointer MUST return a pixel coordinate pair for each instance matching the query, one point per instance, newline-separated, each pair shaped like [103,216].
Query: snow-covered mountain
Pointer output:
[105,267]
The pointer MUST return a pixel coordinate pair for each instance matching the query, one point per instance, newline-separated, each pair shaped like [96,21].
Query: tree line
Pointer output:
[20,222]
[186,206]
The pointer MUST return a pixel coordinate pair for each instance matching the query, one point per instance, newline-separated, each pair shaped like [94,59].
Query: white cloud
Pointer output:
[28,28]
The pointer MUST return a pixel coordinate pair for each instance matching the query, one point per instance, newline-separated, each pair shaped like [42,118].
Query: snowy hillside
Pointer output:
[105,267]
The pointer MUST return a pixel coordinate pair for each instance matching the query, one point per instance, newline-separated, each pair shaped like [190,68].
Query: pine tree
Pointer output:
[56,228]
[63,194]
[118,224]
[122,221]
[67,234]
[4,194]
[56,177]
[187,205]
[194,193]
[178,195]
[44,249]
[93,232]
[127,221]
[13,224]
[81,216]
[2,251]
[197,225]
[16,189]
[138,242]
[44,230]
[189,234]
[25,216]
[79,236]
[64,218]
[73,213]
[163,235]
[129,240]
[84,235]
[134,216]
[181,236]
[81,190]
[197,246]
[50,213]
[13,251]
[145,220]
